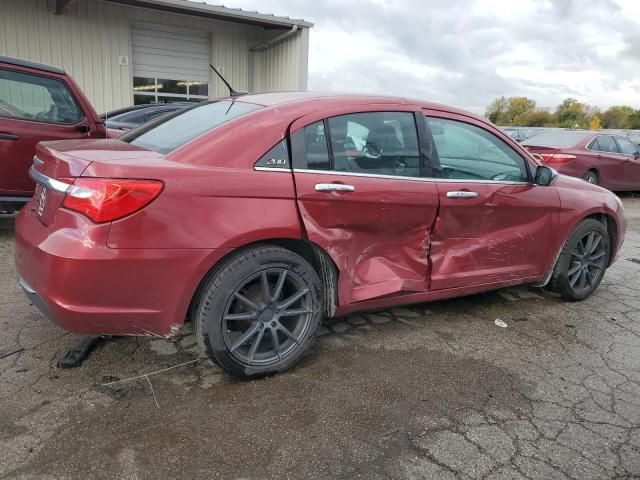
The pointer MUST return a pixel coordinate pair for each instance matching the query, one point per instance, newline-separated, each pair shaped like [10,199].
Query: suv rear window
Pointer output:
[556,139]
[170,132]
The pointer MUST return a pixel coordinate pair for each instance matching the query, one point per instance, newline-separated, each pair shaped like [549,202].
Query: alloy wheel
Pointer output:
[267,317]
[587,262]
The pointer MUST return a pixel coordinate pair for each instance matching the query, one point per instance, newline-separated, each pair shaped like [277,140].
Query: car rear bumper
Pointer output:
[68,272]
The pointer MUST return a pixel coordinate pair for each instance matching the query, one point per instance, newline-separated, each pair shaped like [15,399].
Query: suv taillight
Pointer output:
[108,199]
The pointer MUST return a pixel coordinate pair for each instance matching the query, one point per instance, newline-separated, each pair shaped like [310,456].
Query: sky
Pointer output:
[465,53]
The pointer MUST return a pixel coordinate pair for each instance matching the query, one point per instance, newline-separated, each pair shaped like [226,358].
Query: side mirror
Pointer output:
[545,175]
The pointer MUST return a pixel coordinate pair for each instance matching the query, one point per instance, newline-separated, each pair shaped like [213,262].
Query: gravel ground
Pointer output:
[429,391]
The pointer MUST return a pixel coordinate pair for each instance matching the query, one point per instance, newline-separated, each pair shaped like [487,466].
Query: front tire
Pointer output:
[259,312]
[582,262]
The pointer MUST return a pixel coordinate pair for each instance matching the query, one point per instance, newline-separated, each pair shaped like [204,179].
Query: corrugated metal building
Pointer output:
[138,51]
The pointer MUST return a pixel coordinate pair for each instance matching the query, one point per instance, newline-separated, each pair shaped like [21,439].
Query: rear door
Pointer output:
[362,198]
[608,161]
[631,167]
[494,224]
[33,108]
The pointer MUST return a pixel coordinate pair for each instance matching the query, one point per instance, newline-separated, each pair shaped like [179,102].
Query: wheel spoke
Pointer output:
[596,266]
[232,317]
[295,312]
[594,246]
[266,291]
[588,277]
[279,285]
[587,247]
[286,331]
[246,301]
[574,269]
[583,279]
[251,331]
[573,279]
[596,256]
[275,341]
[255,345]
[293,298]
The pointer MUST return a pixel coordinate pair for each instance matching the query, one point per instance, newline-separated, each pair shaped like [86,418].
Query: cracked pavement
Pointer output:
[427,391]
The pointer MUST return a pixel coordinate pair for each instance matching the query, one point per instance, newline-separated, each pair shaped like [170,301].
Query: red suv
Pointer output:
[37,102]
[257,216]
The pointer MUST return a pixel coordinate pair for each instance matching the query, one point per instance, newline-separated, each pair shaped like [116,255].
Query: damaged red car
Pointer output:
[257,216]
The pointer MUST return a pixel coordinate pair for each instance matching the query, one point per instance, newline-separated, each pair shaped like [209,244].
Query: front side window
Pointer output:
[627,147]
[161,90]
[604,143]
[185,125]
[31,97]
[467,152]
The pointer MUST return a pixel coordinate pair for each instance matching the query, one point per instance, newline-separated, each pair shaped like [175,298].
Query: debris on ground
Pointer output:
[74,357]
[520,318]
[10,351]
[500,323]
[634,260]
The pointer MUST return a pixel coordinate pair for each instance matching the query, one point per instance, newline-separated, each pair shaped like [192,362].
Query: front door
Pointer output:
[362,199]
[494,224]
[32,109]
[631,166]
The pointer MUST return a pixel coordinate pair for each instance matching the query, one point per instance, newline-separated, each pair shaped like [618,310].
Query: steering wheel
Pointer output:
[370,150]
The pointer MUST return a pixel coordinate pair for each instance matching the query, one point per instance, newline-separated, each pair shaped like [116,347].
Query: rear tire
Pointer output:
[591,177]
[582,261]
[259,312]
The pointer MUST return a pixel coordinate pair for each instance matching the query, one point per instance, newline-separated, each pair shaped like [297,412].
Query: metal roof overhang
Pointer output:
[201,9]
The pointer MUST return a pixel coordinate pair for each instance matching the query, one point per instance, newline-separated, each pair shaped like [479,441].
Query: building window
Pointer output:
[159,90]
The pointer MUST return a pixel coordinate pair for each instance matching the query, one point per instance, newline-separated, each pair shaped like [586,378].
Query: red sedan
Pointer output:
[611,161]
[256,217]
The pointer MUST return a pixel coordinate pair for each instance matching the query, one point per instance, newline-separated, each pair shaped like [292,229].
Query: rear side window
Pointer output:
[468,152]
[31,97]
[604,143]
[170,132]
[310,149]
[377,143]
[627,147]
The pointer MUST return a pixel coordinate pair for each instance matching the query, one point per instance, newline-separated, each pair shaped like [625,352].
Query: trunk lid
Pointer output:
[58,164]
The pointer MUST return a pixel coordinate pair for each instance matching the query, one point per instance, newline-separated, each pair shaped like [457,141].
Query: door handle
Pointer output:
[334,187]
[9,136]
[462,195]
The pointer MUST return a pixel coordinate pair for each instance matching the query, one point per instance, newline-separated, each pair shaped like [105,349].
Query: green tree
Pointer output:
[517,106]
[496,110]
[616,116]
[633,121]
[534,118]
[571,114]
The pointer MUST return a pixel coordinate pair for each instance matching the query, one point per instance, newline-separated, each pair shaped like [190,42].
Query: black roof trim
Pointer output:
[26,63]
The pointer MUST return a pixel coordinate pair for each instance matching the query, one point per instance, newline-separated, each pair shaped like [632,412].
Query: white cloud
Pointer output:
[468,52]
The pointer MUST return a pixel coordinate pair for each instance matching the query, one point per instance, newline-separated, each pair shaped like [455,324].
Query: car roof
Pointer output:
[329,99]
[26,63]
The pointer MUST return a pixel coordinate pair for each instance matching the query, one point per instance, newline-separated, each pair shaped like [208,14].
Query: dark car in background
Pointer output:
[611,161]
[124,119]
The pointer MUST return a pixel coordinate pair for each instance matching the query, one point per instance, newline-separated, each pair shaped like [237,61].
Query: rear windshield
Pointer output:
[556,139]
[168,133]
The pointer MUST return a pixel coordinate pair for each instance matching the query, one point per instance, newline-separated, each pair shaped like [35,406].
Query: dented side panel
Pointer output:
[378,235]
[505,233]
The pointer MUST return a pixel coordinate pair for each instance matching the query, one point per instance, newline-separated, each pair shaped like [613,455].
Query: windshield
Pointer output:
[170,132]
[556,139]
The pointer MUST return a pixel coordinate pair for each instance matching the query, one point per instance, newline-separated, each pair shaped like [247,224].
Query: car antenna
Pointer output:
[232,92]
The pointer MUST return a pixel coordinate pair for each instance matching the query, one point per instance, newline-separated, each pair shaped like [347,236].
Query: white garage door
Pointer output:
[169,63]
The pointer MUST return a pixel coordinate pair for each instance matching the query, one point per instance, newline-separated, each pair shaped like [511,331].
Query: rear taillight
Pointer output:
[557,157]
[108,199]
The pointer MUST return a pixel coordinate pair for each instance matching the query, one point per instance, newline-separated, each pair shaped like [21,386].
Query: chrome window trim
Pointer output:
[37,161]
[48,182]
[398,177]
[272,169]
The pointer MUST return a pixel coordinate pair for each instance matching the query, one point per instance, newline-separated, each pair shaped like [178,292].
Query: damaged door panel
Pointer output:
[361,199]
[494,222]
